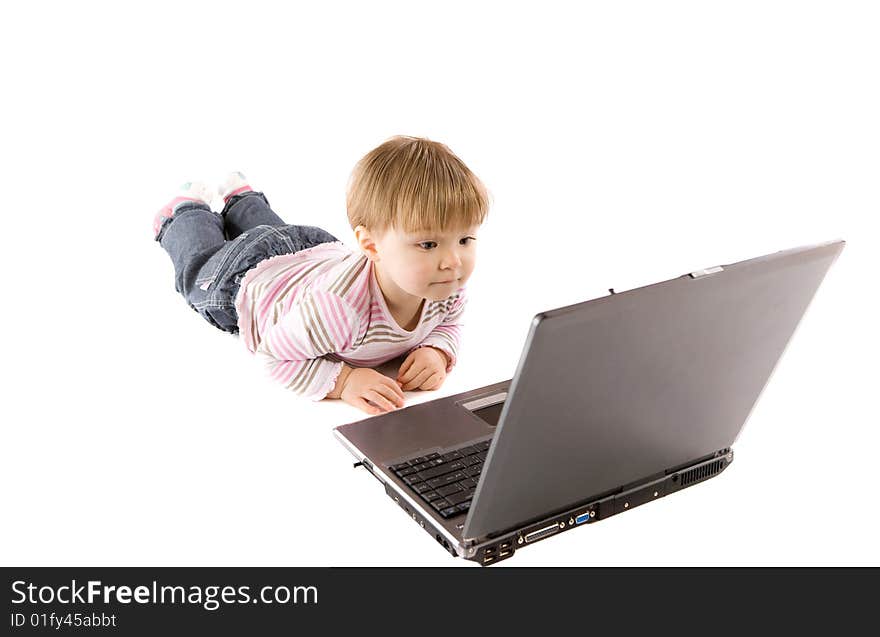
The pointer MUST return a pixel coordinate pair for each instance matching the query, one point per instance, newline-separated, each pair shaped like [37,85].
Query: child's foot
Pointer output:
[234,184]
[190,191]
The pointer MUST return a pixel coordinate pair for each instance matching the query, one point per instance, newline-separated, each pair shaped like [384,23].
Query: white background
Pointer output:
[623,144]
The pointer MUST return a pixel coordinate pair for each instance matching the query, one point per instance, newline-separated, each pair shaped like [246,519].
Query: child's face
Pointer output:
[430,265]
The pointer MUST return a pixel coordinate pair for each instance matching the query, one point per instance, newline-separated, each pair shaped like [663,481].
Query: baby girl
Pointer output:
[320,314]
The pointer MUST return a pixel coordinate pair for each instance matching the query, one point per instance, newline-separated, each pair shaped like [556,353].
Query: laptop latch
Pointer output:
[707,271]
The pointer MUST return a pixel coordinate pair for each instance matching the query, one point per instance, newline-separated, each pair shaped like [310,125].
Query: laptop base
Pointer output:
[503,546]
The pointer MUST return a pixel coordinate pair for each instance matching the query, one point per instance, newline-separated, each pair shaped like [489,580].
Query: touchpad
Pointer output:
[490,414]
[488,408]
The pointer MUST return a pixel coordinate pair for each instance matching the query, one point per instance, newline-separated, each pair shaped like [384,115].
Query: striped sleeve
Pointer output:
[447,335]
[299,348]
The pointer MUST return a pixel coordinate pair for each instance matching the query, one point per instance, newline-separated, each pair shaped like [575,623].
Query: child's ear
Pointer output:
[366,243]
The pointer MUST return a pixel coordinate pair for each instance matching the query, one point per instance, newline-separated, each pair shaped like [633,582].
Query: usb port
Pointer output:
[488,559]
[505,545]
[583,517]
[503,554]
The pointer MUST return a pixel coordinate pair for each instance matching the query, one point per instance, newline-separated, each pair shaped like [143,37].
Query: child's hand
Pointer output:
[424,368]
[364,384]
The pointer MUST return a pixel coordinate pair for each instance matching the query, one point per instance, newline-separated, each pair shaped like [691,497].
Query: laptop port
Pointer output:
[488,559]
[542,533]
[583,517]
[505,545]
[503,554]
[489,551]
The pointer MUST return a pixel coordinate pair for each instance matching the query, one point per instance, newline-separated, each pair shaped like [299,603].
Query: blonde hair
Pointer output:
[414,184]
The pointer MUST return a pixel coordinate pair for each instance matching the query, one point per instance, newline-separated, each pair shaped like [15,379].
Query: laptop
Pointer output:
[616,402]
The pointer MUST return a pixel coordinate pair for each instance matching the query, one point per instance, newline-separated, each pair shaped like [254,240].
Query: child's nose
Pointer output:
[451,260]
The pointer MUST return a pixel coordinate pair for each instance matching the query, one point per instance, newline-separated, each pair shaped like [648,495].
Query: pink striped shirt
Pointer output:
[307,313]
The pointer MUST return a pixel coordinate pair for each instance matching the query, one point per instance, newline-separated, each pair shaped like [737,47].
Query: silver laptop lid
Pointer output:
[617,389]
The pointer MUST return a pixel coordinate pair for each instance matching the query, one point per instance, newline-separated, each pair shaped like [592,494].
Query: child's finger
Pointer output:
[368,407]
[398,389]
[392,391]
[432,382]
[405,366]
[420,378]
[379,400]
[410,373]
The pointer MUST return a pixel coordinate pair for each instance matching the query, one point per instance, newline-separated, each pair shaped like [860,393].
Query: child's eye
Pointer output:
[428,245]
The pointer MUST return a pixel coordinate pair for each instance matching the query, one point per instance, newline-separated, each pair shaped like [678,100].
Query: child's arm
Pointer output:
[367,389]
[295,348]
[446,337]
[336,392]
[419,371]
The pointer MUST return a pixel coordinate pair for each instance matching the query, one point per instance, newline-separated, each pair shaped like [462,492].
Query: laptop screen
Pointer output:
[613,391]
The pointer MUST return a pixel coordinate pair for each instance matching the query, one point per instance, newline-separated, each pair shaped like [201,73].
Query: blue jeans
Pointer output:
[212,252]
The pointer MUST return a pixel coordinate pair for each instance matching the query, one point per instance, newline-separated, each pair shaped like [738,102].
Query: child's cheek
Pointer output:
[420,277]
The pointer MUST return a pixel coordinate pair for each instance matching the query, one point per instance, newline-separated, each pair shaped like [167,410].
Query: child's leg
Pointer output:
[191,237]
[248,210]
[245,208]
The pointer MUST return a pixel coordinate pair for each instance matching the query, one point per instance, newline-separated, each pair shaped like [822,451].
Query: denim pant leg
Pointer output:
[248,210]
[190,237]
[194,240]
[208,270]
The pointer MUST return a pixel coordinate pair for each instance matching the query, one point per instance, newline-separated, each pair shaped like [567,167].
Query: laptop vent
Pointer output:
[700,473]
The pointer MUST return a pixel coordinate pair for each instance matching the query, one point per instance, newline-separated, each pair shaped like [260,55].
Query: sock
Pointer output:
[190,191]
[234,184]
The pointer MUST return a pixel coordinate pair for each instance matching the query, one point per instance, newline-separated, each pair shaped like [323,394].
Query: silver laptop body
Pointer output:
[615,402]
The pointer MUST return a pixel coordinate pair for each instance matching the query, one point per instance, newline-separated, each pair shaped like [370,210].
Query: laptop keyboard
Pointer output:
[445,480]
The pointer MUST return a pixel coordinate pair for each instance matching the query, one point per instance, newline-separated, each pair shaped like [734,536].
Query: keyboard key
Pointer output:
[458,498]
[463,507]
[470,460]
[440,470]
[483,446]
[418,460]
[430,496]
[398,467]
[449,478]
[439,504]
[412,480]
[474,471]
[422,466]
[452,455]
[421,487]
[432,455]
[449,512]
[468,484]
[449,488]
[406,472]
[468,451]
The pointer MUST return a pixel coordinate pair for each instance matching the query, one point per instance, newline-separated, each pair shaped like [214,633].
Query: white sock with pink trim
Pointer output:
[234,184]
[190,191]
